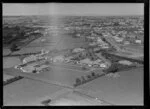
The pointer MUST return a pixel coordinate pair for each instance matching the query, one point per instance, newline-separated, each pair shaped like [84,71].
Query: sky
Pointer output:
[98,9]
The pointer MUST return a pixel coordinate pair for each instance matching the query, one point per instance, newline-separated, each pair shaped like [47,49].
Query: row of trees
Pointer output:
[12,80]
[24,55]
[83,79]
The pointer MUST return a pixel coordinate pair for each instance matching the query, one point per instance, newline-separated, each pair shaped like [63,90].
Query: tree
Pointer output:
[22,34]
[83,79]
[78,81]
[89,76]
[93,74]
[113,68]
[34,71]
[14,47]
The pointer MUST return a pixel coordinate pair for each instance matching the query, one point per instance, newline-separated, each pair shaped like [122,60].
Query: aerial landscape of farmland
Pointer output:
[73,60]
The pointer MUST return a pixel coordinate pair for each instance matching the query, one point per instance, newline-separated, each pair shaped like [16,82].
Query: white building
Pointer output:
[67,59]
[103,65]
[41,67]
[27,69]
[92,44]
[118,39]
[43,40]
[76,50]
[97,61]
[58,58]
[125,62]
[17,67]
[29,59]
[105,46]
[90,37]
[89,62]
[35,57]
[78,35]
[37,31]
[43,51]
[99,40]
[138,41]
[126,42]
[86,61]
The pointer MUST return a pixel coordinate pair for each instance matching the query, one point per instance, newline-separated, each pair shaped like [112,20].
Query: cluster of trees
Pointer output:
[12,80]
[14,47]
[13,35]
[23,55]
[115,67]
[90,54]
[83,79]
[116,24]
[79,56]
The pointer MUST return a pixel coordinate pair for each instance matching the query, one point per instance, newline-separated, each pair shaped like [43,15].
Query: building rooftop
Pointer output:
[78,50]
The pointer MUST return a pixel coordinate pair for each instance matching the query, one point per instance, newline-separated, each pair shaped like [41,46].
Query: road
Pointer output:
[111,41]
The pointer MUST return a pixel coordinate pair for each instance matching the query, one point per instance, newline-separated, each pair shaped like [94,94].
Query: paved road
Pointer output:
[111,41]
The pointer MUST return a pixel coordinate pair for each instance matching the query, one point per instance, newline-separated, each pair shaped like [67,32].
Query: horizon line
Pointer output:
[75,15]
